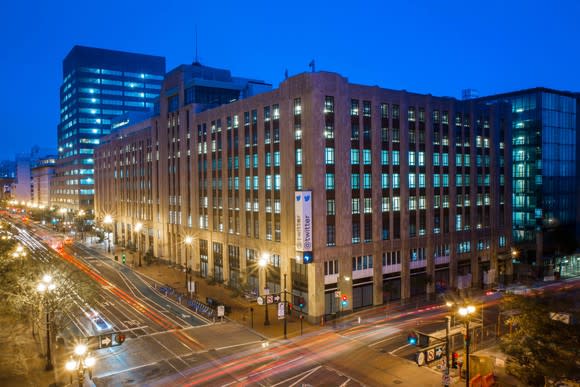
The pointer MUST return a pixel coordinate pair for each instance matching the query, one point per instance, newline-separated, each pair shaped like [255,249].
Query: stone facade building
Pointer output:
[410,194]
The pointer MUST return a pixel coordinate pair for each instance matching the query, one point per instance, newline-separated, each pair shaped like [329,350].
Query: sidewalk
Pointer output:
[21,361]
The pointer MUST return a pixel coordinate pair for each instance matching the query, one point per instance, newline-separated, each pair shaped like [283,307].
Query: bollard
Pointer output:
[359,319]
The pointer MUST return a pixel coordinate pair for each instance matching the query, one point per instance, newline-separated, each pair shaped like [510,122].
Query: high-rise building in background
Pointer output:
[546,167]
[97,86]
[42,172]
[7,169]
[347,189]
[24,164]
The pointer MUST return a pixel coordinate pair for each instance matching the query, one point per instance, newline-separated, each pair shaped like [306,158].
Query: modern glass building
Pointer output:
[545,167]
[97,85]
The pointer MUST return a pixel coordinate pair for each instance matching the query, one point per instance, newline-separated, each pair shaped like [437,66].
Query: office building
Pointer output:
[42,173]
[97,86]
[344,189]
[545,140]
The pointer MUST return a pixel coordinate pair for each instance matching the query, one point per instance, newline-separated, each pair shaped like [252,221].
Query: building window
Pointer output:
[366,108]
[367,181]
[355,181]
[328,104]
[354,156]
[355,205]
[384,180]
[297,106]
[329,156]
[329,181]
[354,107]
[367,158]
[330,207]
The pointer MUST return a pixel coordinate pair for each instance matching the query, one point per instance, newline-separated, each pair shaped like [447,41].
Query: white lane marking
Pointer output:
[398,349]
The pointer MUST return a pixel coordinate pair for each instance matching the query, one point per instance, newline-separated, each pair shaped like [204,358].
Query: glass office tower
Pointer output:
[545,169]
[97,85]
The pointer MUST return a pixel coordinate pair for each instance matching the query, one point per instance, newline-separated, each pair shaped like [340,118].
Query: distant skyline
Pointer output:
[421,46]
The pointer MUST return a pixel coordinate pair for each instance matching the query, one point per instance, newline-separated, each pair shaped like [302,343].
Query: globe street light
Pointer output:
[188,241]
[108,220]
[263,263]
[465,312]
[44,287]
[138,228]
[81,361]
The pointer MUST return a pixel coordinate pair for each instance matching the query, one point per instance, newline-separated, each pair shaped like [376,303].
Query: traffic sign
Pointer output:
[260,300]
[105,341]
[270,299]
[337,294]
[221,310]
[430,355]
[277,298]
[420,358]
[281,310]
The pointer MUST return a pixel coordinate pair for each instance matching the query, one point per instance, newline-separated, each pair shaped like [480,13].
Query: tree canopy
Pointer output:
[539,346]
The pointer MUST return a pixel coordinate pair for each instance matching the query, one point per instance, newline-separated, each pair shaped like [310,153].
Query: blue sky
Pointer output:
[437,47]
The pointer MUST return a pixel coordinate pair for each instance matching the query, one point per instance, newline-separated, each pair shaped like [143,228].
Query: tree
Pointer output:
[539,346]
[21,299]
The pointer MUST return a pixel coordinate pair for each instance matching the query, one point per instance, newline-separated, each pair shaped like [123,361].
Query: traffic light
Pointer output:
[307,257]
[120,338]
[412,338]
[124,258]
[454,359]
[301,303]
[344,300]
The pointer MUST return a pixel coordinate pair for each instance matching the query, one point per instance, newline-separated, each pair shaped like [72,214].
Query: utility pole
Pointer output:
[447,346]
[285,310]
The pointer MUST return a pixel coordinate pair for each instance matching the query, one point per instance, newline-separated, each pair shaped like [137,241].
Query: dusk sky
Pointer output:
[437,47]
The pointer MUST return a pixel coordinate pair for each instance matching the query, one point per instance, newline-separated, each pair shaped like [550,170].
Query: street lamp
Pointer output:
[465,312]
[263,263]
[138,228]
[108,220]
[188,241]
[81,214]
[63,215]
[81,361]
[44,287]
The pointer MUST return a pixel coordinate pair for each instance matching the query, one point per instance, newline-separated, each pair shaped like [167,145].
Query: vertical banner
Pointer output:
[303,220]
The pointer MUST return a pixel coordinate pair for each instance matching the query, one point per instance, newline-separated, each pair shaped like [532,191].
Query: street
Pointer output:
[169,344]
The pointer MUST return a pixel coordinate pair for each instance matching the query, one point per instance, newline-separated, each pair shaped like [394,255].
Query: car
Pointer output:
[100,323]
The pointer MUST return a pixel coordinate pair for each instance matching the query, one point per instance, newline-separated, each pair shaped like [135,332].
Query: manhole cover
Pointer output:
[397,381]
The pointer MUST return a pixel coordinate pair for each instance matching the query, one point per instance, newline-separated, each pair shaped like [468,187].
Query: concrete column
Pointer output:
[377,275]
[226,263]
[475,283]
[210,259]
[430,251]
[243,267]
[452,267]
[315,292]
[405,271]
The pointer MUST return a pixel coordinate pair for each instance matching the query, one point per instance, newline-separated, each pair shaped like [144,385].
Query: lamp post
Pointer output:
[81,361]
[263,263]
[63,217]
[465,312]
[107,221]
[44,287]
[188,241]
[138,228]
[81,214]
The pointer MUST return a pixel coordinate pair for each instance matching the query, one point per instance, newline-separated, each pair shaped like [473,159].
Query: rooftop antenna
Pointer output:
[196,58]
[312,66]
